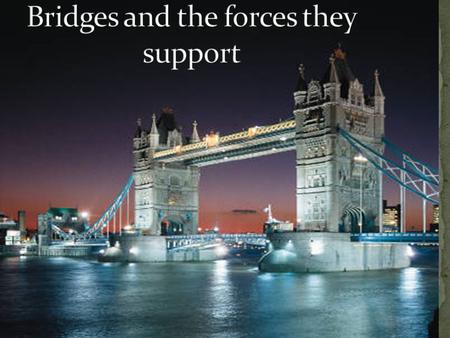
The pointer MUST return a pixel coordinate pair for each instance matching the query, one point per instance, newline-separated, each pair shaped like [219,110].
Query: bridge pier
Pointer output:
[327,252]
[144,248]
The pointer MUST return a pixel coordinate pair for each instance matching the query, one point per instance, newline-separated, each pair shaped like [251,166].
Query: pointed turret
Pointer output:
[138,128]
[154,134]
[378,95]
[139,143]
[378,90]
[167,124]
[154,129]
[194,137]
[342,70]
[301,88]
[333,72]
[332,85]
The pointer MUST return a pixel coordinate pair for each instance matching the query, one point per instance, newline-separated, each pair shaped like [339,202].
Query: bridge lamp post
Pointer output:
[361,160]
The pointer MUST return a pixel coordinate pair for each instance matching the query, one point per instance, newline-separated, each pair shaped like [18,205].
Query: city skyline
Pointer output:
[70,112]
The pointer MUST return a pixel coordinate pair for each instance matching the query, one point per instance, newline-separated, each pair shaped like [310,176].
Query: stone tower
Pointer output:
[166,196]
[329,178]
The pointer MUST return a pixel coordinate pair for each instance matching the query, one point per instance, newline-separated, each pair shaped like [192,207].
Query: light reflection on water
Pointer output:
[220,291]
[62,297]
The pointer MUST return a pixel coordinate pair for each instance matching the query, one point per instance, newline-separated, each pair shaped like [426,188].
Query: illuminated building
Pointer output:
[6,225]
[434,226]
[67,219]
[391,217]
[21,223]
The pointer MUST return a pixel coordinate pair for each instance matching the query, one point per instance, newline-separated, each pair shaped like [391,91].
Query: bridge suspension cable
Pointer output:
[420,167]
[104,219]
[412,180]
[411,174]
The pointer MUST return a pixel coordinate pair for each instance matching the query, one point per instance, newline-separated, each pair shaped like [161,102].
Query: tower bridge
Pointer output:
[329,179]
[337,132]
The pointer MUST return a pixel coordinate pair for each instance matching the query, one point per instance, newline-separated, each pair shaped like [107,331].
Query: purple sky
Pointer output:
[69,102]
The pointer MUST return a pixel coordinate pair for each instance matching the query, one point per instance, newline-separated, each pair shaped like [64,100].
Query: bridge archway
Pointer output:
[350,219]
[171,226]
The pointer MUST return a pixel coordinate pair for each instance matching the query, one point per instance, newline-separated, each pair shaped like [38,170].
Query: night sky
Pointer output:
[69,102]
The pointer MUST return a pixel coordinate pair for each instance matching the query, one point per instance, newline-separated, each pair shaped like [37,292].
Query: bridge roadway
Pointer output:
[254,142]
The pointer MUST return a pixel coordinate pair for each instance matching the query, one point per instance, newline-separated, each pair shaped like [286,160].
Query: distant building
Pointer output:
[43,225]
[12,237]
[434,225]
[391,217]
[69,220]
[21,222]
[6,225]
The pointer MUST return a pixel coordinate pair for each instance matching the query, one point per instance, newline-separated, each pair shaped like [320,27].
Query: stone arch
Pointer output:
[350,219]
[172,225]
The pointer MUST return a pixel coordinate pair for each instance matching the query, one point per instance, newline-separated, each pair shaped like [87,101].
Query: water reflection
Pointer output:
[410,280]
[221,291]
[76,298]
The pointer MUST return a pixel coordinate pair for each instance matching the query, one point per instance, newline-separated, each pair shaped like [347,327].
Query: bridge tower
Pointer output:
[332,180]
[166,195]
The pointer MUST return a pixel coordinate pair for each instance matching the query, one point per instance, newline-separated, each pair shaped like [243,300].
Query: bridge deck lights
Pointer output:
[177,149]
[212,140]
[252,131]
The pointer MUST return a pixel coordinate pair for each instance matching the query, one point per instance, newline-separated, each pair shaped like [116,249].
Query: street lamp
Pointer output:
[361,160]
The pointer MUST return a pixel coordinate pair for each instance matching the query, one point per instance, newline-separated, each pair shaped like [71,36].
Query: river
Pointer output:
[65,297]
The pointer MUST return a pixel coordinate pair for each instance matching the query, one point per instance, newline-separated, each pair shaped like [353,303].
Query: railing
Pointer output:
[409,237]
[179,241]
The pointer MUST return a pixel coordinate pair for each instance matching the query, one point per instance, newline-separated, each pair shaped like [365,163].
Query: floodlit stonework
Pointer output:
[337,189]
[166,195]
[328,176]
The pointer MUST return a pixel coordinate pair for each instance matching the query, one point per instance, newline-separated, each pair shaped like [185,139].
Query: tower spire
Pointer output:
[332,85]
[154,134]
[301,84]
[333,73]
[378,91]
[194,138]
[301,70]
[154,130]
[378,96]
[138,128]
